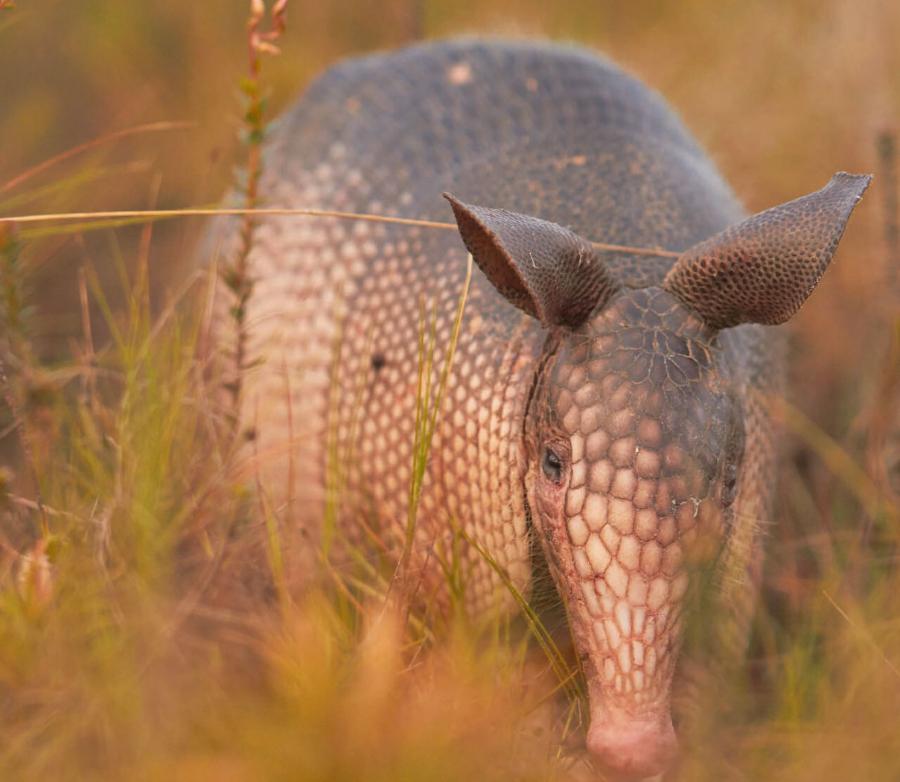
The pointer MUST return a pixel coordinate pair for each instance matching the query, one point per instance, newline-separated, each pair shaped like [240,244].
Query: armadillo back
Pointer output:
[336,314]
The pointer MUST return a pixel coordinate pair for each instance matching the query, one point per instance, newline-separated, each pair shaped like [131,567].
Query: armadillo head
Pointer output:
[634,433]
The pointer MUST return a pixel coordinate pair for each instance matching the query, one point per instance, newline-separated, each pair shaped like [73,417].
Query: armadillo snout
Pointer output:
[632,749]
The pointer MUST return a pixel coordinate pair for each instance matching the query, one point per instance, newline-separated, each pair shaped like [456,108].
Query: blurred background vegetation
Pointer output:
[781,94]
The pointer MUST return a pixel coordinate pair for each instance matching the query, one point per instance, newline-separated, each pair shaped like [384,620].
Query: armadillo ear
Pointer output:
[763,269]
[540,267]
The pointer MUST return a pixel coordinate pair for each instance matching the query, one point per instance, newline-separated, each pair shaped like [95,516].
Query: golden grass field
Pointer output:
[127,652]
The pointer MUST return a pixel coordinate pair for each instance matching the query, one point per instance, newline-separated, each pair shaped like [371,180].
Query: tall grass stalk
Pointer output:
[567,677]
[429,399]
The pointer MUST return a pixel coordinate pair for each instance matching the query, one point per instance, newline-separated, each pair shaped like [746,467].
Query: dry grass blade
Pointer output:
[428,408]
[566,678]
[152,127]
[863,634]
[838,461]
[84,178]
[129,217]
[42,508]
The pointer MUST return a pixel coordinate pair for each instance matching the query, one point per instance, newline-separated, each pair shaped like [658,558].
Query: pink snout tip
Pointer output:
[633,749]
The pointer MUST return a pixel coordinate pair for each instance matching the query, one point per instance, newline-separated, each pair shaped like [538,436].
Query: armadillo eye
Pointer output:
[552,465]
[729,485]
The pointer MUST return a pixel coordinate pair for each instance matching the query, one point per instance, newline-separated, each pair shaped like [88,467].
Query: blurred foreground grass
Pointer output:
[147,635]
[146,631]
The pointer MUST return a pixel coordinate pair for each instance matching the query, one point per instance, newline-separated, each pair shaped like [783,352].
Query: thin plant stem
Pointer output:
[151,127]
[237,275]
[128,217]
[428,410]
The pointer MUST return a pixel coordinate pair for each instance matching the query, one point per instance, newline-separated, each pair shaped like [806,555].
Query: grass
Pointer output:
[148,629]
[146,632]
[125,651]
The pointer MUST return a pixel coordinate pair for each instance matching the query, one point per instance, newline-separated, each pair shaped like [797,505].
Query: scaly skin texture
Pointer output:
[639,408]
[371,135]
[593,393]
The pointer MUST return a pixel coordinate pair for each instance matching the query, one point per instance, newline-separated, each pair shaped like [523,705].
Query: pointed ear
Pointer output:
[540,267]
[763,269]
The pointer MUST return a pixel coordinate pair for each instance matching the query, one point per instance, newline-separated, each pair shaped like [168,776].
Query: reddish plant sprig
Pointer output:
[236,275]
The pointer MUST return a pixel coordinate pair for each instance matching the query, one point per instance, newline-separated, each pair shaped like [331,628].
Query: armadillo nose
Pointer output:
[633,750]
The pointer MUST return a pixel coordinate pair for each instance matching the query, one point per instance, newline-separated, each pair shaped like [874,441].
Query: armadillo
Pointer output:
[606,406]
